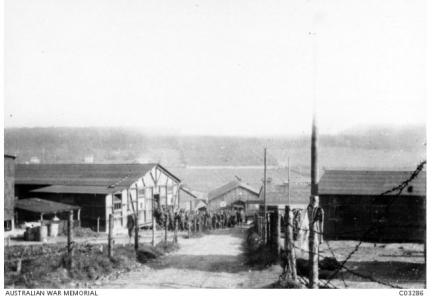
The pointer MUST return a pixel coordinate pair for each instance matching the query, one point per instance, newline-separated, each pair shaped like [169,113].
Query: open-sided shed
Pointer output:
[32,209]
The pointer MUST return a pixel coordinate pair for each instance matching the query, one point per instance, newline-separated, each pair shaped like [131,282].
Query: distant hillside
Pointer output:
[370,148]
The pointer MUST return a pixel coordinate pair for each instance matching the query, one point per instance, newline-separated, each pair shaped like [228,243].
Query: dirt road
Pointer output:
[213,261]
[217,260]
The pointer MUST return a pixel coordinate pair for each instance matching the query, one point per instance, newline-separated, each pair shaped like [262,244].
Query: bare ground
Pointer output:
[215,260]
[397,264]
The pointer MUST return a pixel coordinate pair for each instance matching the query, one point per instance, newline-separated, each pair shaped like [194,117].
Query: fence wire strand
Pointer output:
[395,191]
[399,188]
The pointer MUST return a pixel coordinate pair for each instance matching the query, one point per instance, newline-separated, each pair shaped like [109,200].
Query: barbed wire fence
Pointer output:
[395,191]
[398,189]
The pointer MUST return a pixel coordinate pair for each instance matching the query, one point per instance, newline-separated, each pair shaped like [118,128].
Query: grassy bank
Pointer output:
[46,266]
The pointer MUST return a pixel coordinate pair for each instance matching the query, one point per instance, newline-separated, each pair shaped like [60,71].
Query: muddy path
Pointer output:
[215,260]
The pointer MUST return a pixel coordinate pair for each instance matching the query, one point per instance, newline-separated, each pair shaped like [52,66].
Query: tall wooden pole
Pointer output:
[264,194]
[313,239]
[314,165]
[288,179]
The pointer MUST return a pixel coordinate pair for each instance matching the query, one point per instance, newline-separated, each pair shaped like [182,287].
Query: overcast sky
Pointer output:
[215,67]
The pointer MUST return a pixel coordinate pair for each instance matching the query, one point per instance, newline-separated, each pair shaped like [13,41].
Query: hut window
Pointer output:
[8,225]
[117,203]
[410,189]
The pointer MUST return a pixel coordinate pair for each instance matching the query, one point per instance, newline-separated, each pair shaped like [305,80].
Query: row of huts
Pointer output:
[351,201]
[92,192]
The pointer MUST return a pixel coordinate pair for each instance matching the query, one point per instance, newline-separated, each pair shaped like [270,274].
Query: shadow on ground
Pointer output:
[390,271]
[208,262]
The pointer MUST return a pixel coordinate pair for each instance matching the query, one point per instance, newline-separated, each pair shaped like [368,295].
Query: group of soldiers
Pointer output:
[199,220]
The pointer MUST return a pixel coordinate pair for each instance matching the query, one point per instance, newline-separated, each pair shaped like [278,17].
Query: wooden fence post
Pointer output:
[269,229]
[175,230]
[313,244]
[98,224]
[166,227]
[288,245]
[259,228]
[153,229]
[19,266]
[79,218]
[265,229]
[261,222]
[192,224]
[277,233]
[256,222]
[136,234]
[200,224]
[110,237]
[70,225]
[188,225]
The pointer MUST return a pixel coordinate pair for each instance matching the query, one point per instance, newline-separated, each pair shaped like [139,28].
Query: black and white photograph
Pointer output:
[214,144]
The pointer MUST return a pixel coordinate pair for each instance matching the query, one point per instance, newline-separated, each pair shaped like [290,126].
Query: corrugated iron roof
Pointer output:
[277,194]
[38,205]
[113,175]
[229,187]
[75,189]
[345,182]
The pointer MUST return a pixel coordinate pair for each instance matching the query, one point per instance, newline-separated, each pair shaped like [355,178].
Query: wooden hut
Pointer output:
[102,189]
[233,195]
[277,195]
[353,206]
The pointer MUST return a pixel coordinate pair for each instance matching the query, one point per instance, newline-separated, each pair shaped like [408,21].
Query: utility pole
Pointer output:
[313,238]
[264,193]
